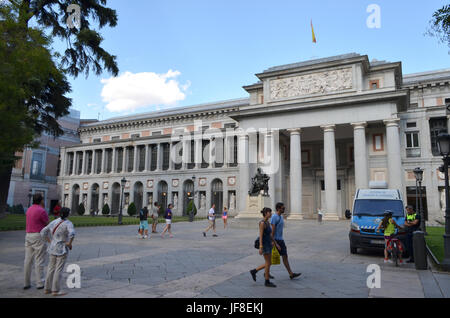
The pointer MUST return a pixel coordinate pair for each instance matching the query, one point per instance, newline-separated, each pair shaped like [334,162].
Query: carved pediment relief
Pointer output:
[315,83]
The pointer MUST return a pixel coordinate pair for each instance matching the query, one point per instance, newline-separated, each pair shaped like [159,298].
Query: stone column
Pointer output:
[113,163]
[172,150]
[136,160]
[253,152]
[244,176]
[93,163]
[330,172]
[272,153]
[76,163]
[159,157]
[83,163]
[295,175]
[360,156]
[103,167]
[186,152]
[448,124]
[124,161]
[72,171]
[393,154]
[147,159]
[198,153]
[212,157]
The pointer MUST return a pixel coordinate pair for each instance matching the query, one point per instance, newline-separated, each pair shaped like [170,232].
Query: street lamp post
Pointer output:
[30,194]
[418,173]
[191,217]
[444,148]
[122,183]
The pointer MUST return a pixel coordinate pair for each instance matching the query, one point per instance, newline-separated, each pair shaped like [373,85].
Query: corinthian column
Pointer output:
[295,175]
[330,172]
[393,154]
[360,156]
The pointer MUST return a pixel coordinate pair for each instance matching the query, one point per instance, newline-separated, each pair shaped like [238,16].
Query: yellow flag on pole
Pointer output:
[313,34]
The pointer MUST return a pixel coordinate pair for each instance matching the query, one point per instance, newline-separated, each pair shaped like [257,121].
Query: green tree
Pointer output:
[440,25]
[132,209]
[191,210]
[105,209]
[81,210]
[33,81]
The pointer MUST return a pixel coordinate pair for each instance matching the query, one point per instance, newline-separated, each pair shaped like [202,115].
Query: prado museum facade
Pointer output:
[320,129]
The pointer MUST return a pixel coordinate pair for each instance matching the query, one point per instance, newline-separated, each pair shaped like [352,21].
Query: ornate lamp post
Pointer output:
[418,173]
[122,183]
[444,148]
[30,194]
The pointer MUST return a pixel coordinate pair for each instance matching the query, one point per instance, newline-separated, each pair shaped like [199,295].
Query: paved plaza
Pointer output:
[114,262]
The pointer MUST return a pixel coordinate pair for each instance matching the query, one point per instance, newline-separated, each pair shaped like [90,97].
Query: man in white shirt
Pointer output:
[211,220]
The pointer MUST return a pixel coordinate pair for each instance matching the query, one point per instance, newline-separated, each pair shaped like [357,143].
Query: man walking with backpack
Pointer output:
[277,222]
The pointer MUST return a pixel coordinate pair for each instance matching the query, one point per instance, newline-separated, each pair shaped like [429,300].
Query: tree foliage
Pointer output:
[440,25]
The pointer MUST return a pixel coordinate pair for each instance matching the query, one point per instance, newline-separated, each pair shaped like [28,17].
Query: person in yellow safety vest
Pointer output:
[389,225]
[412,223]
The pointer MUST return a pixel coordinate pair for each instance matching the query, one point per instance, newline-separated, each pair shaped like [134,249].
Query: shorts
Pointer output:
[224,217]
[144,225]
[283,247]
[168,221]
[267,248]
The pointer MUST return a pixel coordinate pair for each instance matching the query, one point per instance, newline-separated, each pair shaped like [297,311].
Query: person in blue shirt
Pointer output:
[168,217]
[277,223]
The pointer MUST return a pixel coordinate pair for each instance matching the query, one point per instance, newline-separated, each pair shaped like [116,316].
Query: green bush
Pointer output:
[17,209]
[81,209]
[191,208]
[161,211]
[105,209]
[131,209]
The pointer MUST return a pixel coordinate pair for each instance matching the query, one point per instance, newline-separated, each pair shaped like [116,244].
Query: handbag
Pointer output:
[275,256]
[257,243]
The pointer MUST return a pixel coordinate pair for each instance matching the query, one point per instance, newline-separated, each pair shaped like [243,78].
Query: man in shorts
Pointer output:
[143,226]
[277,234]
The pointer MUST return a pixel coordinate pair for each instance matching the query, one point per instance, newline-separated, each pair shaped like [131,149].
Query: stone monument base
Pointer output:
[254,206]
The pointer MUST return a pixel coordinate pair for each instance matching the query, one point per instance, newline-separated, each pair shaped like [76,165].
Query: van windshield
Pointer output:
[377,207]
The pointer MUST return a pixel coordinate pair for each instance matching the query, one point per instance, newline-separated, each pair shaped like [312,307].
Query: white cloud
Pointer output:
[129,91]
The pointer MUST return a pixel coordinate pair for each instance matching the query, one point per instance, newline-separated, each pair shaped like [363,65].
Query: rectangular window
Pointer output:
[191,161]
[37,166]
[154,157]
[166,156]
[109,160]
[378,142]
[119,159]
[374,84]
[411,125]
[205,145]
[135,136]
[96,140]
[437,126]
[142,158]
[412,139]
[130,159]
[115,137]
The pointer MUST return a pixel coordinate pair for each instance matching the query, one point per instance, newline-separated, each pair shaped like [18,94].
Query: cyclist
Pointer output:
[389,225]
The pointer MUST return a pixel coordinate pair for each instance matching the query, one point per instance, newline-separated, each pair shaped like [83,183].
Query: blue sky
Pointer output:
[196,51]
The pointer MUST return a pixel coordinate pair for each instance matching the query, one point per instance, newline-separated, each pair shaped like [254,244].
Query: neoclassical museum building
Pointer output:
[320,129]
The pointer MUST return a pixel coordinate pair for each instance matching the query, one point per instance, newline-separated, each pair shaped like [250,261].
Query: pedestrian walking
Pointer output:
[225,217]
[266,242]
[143,226]
[277,222]
[211,220]
[36,220]
[168,217]
[60,234]
[155,216]
[320,216]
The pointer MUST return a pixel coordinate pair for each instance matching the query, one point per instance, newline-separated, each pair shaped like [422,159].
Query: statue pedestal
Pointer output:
[254,206]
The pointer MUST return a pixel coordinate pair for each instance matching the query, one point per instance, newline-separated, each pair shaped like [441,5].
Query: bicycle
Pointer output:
[395,247]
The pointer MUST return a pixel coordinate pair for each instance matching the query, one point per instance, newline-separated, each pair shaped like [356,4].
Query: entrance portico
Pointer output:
[324,127]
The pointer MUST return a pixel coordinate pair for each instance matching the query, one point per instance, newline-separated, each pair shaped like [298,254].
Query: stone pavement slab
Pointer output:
[115,263]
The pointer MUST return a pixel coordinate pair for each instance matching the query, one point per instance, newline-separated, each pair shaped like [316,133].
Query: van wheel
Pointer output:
[353,250]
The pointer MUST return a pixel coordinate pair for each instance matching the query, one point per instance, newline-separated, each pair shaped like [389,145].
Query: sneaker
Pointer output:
[204,234]
[215,235]
[410,261]
[145,237]
[386,260]
[27,287]
[269,284]
[400,262]
[271,277]
[390,261]
[294,275]
[253,273]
